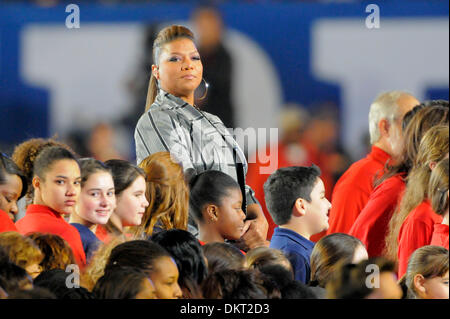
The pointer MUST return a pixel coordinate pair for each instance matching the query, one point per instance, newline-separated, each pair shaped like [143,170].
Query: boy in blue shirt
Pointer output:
[295,198]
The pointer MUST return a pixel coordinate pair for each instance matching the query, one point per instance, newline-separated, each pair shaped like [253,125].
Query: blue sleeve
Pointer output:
[302,270]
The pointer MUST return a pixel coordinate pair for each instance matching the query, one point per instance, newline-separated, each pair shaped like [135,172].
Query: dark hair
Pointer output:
[328,252]
[349,281]
[12,277]
[297,290]
[35,293]
[234,284]
[119,283]
[140,254]
[209,187]
[223,256]
[89,166]
[285,186]
[188,255]
[8,166]
[48,156]
[280,275]
[55,281]
[418,121]
[166,35]
[57,252]
[124,174]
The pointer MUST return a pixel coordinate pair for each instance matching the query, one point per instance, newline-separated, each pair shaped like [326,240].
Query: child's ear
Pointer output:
[36,182]
[419,281]
[299,207]
[212,213]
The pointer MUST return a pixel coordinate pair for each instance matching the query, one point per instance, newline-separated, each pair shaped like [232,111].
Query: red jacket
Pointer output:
[440,235]
[43,219]
[372,223]
[415,232]
[353,189]
[6,224]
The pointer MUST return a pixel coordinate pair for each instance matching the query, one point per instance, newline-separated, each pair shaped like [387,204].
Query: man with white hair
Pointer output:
[353,189]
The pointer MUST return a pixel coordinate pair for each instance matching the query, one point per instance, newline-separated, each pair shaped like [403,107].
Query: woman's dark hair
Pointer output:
[297,290]
[223,256]
[328,252]
[48,156]
[7,166]
[188,255]
[35,293]
[91,166]
[209,187]
[119,283]
[124,174]
[140,254]
[55,281]
[415,124]
[234,284]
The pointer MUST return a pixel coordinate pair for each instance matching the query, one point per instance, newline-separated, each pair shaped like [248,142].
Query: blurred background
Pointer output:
[309,68]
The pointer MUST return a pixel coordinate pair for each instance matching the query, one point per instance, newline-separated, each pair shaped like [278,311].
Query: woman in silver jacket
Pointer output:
[199,141]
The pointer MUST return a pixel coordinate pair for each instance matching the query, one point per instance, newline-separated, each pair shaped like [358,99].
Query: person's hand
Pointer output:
[253,235]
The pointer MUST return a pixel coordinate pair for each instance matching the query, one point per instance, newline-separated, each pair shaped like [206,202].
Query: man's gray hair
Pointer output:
[384,107]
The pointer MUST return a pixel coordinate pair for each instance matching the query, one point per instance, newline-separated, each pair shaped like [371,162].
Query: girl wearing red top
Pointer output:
[12,187]
[56,183]
[438,190]
[372,223]
[411,226]
[216,205]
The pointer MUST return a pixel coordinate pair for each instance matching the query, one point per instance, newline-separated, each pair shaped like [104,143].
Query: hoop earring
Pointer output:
[206,90]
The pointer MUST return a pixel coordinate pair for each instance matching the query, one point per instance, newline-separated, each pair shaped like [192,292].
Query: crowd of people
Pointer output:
[183,222]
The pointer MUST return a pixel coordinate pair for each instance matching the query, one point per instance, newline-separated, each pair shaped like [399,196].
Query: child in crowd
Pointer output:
[56,183]
[12,277]
[223,256]
[13,186]
[439,197]
[411,226]
[328,252]
[57,252]
[373,278]
[154,260]
[129,188]
[23,252]
[295,198]
[188,255]
[167,193]
[427,274]
[124,283]
[95,204]
[215,203]
[264,256]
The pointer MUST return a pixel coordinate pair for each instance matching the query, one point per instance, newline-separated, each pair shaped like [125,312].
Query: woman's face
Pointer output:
[165,278]
[180,69]
[60,187]
[131,203]
[230,220]
[9,194]
[97,199]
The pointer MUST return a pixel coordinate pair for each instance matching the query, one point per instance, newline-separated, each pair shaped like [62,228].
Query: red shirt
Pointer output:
[43,219]
[353,189]
[416,232]
[6,224]
[440,235]
[372,223]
